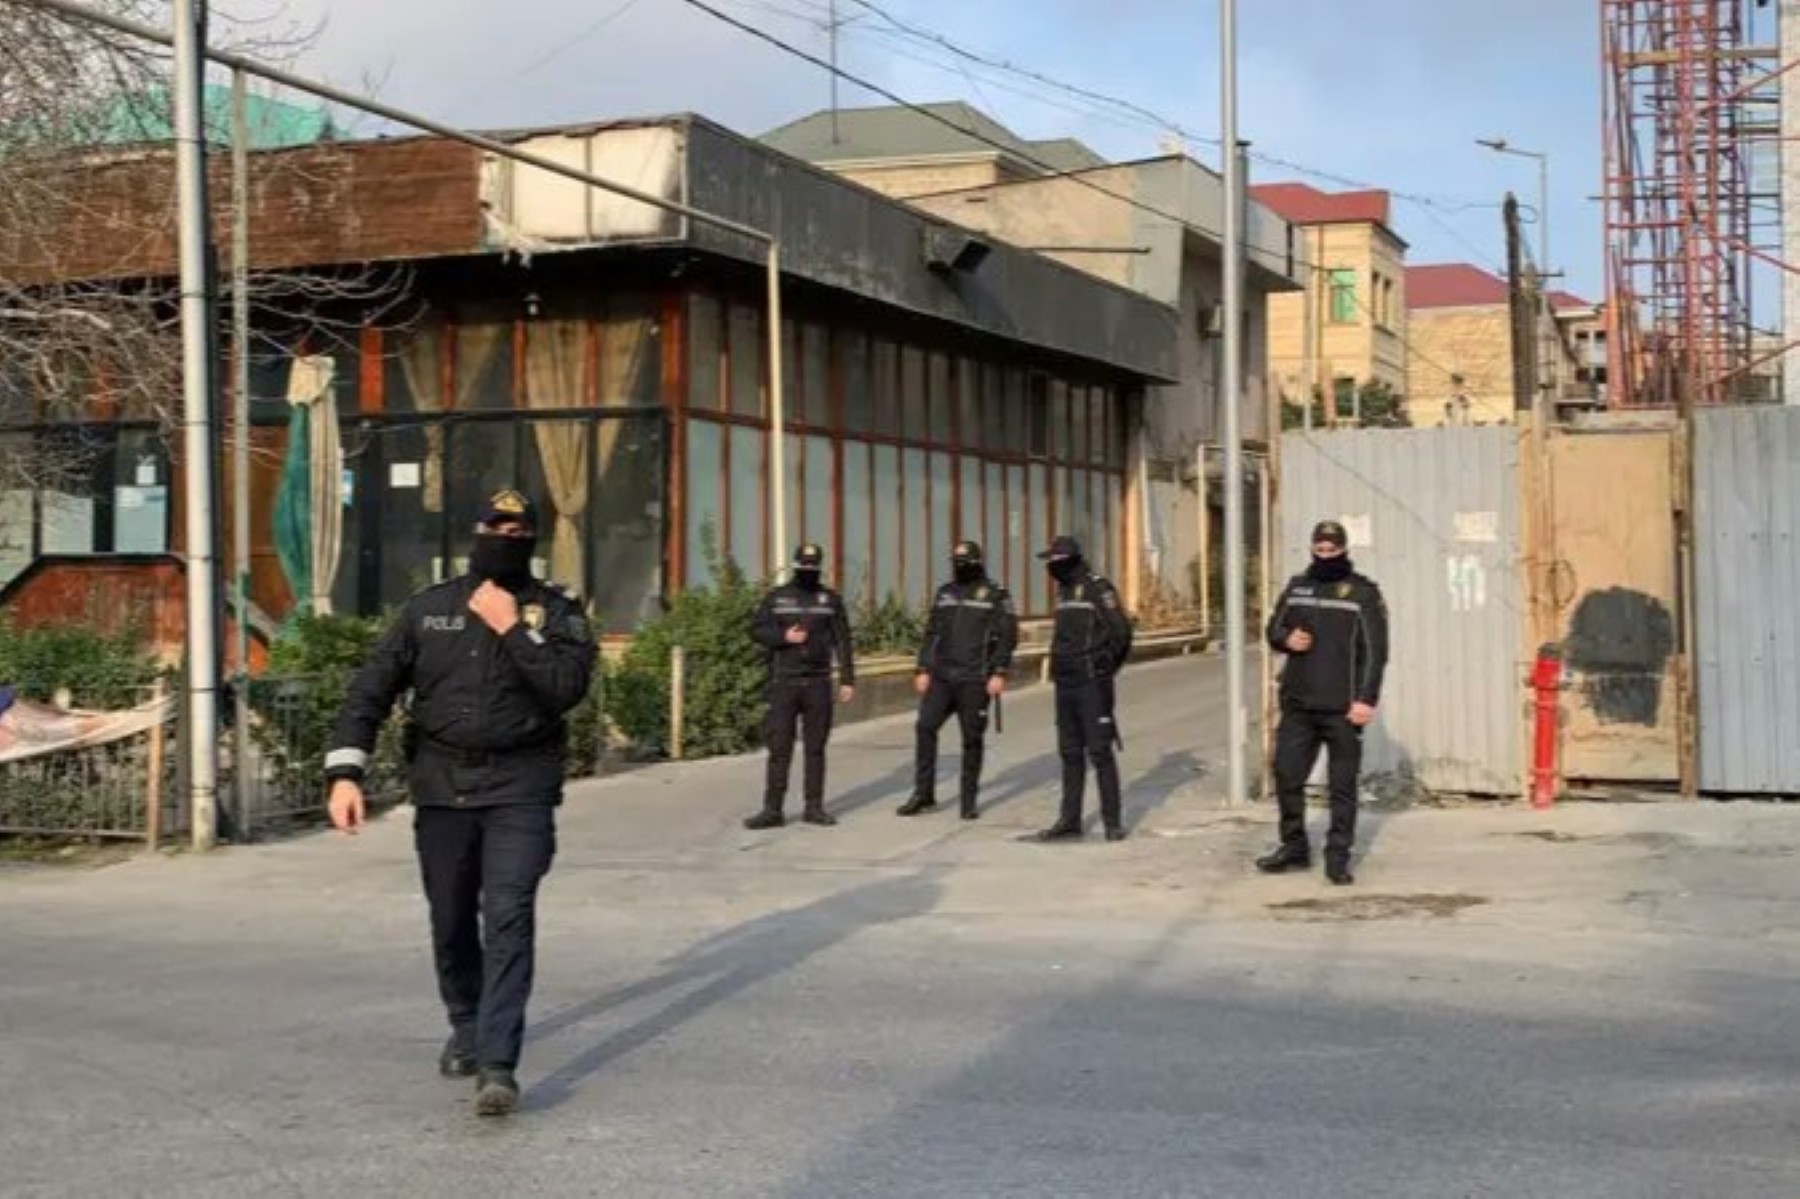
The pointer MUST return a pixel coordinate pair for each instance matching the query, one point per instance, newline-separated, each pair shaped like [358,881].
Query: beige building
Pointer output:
[902,153]
[1460,348]
[1347,329]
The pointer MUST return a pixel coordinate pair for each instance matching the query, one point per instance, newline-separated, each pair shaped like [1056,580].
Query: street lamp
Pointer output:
[1500,145]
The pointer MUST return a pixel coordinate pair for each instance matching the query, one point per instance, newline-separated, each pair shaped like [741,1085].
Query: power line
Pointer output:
[557,50]
[1017,151]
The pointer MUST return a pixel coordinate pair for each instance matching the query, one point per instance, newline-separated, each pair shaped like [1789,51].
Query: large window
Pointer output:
[1343,296]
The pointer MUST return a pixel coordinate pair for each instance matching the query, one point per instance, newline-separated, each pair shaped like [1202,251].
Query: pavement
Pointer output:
[1596,1000]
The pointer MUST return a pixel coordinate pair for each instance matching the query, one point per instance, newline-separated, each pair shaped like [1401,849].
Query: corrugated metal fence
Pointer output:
[1449,568]
[1746,578]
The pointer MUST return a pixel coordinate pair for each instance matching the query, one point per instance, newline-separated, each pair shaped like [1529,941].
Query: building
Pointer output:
[1151,226]
[1347,331]
[1460,361]
[930,148]
[611,358]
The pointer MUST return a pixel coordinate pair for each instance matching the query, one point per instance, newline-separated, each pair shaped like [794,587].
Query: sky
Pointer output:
[1385,93]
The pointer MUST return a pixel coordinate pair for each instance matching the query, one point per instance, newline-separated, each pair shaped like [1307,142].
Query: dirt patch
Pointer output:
[1657,842]
[1376,907]
[40,852]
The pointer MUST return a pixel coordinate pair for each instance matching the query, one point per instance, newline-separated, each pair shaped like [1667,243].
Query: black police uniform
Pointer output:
[970,638]
[1347,618]
[800,684]
[485,742]
[1091,642]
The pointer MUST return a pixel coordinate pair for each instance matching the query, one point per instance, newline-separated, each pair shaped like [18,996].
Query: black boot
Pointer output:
[816,814]
[767,818]
[1337,871]
[917,805]
[970,811]
[496,1093]
[1062,830]
[1287,857]
[1115,832]
[458,1058]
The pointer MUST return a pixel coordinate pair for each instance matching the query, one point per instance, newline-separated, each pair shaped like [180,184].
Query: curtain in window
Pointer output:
[553,370]
[422,364]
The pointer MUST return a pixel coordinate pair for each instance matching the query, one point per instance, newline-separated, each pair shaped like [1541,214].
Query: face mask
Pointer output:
[1064,570]
[967,572]
[808,579]
[501,559]
[1331,570]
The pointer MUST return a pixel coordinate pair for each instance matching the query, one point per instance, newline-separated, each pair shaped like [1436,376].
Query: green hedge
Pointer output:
[99,671]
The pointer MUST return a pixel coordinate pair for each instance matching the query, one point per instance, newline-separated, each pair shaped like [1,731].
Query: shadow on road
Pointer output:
[725,965]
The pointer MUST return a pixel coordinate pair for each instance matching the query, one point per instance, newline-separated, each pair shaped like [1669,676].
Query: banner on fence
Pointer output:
[30,730]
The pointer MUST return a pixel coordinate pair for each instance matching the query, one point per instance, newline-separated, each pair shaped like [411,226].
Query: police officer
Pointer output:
[969,643]
[495,660]
[804,626]
[1090,643]
[1332,624]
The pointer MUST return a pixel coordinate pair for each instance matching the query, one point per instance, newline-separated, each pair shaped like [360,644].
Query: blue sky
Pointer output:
[1390,93]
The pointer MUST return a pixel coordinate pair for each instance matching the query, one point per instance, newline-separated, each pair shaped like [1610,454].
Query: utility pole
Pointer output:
[197,306]
[832,30]
[1232,393]
[240,444]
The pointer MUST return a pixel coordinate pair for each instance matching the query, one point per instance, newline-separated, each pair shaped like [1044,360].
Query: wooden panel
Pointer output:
[1615,580]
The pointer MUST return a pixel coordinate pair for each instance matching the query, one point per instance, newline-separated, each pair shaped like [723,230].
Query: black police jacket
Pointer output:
[971,633]
[821,613]
[1349,626]
[486,721]
[1092,636]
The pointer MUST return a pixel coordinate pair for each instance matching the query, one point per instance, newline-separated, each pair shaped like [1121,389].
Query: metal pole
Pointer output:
[833,18]
[240,443]
[1233,289]
[1543,214]
[1265,598]
[1204,528]
[777,420]
[198,439]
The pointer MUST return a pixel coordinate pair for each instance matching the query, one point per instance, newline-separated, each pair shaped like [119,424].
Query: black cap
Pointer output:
[1062,547]
[1332,532]
[508,506]
[965,551]
[809,557]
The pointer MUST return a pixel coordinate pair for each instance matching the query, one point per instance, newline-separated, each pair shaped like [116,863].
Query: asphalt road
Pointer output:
[1597,1001]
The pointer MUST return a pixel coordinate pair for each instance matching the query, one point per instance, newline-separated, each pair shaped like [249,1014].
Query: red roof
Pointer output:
[1300,204]
[1462,285]
[1453,285]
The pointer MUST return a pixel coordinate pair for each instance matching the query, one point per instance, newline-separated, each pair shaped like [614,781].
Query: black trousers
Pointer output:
[1085,733]
[482,866]
[969,703]
[1297,743]
[804,702]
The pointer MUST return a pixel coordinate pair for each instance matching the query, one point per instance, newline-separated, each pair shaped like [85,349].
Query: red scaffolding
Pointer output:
[1687,104]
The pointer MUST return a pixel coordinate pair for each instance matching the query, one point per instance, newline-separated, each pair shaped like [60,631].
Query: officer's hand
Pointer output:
[1299,641]
[346,806]
[846,694]
[997,686]
[921,682]
[796,634]
[1362,715]
[496,607]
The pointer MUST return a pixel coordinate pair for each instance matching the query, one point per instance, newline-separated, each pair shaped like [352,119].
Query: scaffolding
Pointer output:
[1692,208]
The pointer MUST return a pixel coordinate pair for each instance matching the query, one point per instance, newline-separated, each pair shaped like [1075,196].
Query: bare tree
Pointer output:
[85,160]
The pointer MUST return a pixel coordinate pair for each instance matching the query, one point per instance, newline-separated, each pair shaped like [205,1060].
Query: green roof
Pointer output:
[892,131]
[148,116]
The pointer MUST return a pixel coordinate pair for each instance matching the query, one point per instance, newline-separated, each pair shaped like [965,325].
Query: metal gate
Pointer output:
[1746,575]
[1433,517]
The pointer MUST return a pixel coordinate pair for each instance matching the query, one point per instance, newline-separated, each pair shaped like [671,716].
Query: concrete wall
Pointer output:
[1475,343]
[905,180]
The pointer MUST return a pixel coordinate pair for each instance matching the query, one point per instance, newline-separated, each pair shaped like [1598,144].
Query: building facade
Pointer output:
[1347,329]
[613,360]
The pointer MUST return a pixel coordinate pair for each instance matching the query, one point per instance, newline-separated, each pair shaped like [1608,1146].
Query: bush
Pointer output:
[296,703]
[100,671]
[726,670]
[887,628]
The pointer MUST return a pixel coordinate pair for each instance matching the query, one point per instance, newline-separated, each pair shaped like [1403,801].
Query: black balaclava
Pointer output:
[808,577]
[967,572]
[1331,570]
[502,560]
[1064,570]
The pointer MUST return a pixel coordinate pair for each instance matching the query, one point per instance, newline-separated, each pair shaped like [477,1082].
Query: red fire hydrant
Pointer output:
[1546,681]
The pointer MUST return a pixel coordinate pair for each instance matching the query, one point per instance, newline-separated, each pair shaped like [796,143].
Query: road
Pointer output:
[1594,1001]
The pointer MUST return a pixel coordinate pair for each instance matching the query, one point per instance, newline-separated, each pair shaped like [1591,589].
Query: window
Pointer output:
[747,500]
[919,554]
[887,389]
[746,353]
[916,420]
[484,364]
[884,571]
[631,353]
[859,395]
[815,372]
[1343,296]
[1037,416]
[625,522]
[1059,420]
[705,347]
[1078,425]
[854,572]
[100,490]
[942,428]
[816,505]
[705,532]
[1343,390]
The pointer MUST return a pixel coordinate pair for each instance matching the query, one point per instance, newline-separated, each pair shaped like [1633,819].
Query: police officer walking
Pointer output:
[1091,641]
[1331,622]
[806,630]
[969,643]
[495,660]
